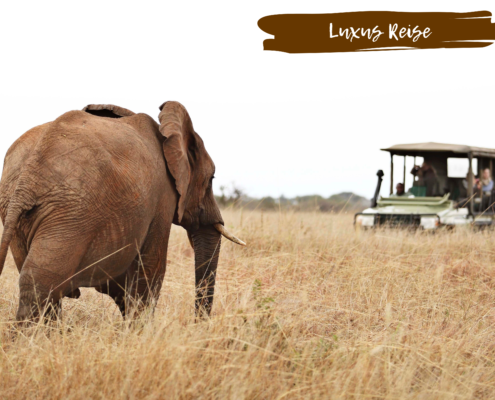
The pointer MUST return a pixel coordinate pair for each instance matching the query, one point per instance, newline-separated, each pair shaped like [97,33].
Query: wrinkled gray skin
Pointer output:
[85,197]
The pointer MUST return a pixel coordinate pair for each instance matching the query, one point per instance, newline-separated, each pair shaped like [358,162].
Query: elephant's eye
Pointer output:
[210,183]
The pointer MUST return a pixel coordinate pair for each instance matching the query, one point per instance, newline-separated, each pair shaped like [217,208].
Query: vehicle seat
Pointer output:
[418,191]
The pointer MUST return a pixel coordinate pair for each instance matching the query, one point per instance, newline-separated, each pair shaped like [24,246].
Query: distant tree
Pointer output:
[230,196]
[267,203]
[222,199]
[236,196]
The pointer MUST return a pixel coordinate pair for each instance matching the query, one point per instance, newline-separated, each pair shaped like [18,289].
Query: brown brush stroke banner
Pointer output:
[311,33]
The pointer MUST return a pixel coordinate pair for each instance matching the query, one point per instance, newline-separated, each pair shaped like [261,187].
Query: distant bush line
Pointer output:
[342,202]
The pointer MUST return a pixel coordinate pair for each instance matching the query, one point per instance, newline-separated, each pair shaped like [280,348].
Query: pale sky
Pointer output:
[274,123]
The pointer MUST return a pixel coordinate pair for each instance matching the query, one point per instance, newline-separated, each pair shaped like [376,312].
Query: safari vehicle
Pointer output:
[454,199]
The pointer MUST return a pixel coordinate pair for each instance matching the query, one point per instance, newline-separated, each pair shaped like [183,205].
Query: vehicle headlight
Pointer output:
[365,220]
[429,222]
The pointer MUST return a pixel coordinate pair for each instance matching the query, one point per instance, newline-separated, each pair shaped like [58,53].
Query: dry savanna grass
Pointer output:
[310,309]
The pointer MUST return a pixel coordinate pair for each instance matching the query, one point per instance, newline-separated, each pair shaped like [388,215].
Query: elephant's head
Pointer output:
[197,211]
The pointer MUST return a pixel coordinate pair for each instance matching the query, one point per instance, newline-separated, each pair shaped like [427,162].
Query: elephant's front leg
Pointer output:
[146,277]
[116,288]
[146,273]
[134,290]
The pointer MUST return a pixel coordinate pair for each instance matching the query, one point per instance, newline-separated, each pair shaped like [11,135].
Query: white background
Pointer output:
[274,123]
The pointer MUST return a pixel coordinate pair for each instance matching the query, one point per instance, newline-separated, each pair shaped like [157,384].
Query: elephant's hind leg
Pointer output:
[40,294]
[34,302]
[48,272]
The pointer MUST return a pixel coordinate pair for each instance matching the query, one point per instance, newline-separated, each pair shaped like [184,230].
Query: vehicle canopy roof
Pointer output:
[453,150]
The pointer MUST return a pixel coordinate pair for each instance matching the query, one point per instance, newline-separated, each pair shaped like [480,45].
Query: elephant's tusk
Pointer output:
[220,228]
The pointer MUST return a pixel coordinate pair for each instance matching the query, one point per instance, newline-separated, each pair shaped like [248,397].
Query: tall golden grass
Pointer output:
[310,309]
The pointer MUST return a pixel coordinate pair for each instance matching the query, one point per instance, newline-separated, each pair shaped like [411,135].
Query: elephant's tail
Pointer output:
[13,214]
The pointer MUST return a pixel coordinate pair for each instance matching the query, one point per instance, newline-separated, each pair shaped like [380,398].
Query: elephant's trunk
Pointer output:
[206,243]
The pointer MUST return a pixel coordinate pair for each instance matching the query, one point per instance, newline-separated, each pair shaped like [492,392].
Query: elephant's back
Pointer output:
[101,160]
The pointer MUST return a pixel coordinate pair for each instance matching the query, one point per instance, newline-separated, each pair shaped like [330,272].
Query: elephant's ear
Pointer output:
[176,126]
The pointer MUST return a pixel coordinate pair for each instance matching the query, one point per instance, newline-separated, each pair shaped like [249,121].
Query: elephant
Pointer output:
[88,200]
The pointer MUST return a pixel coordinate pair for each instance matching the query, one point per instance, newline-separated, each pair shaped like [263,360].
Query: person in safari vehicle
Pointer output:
[427,177]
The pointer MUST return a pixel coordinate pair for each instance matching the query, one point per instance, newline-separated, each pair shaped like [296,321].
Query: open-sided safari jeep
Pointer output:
[445,190]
